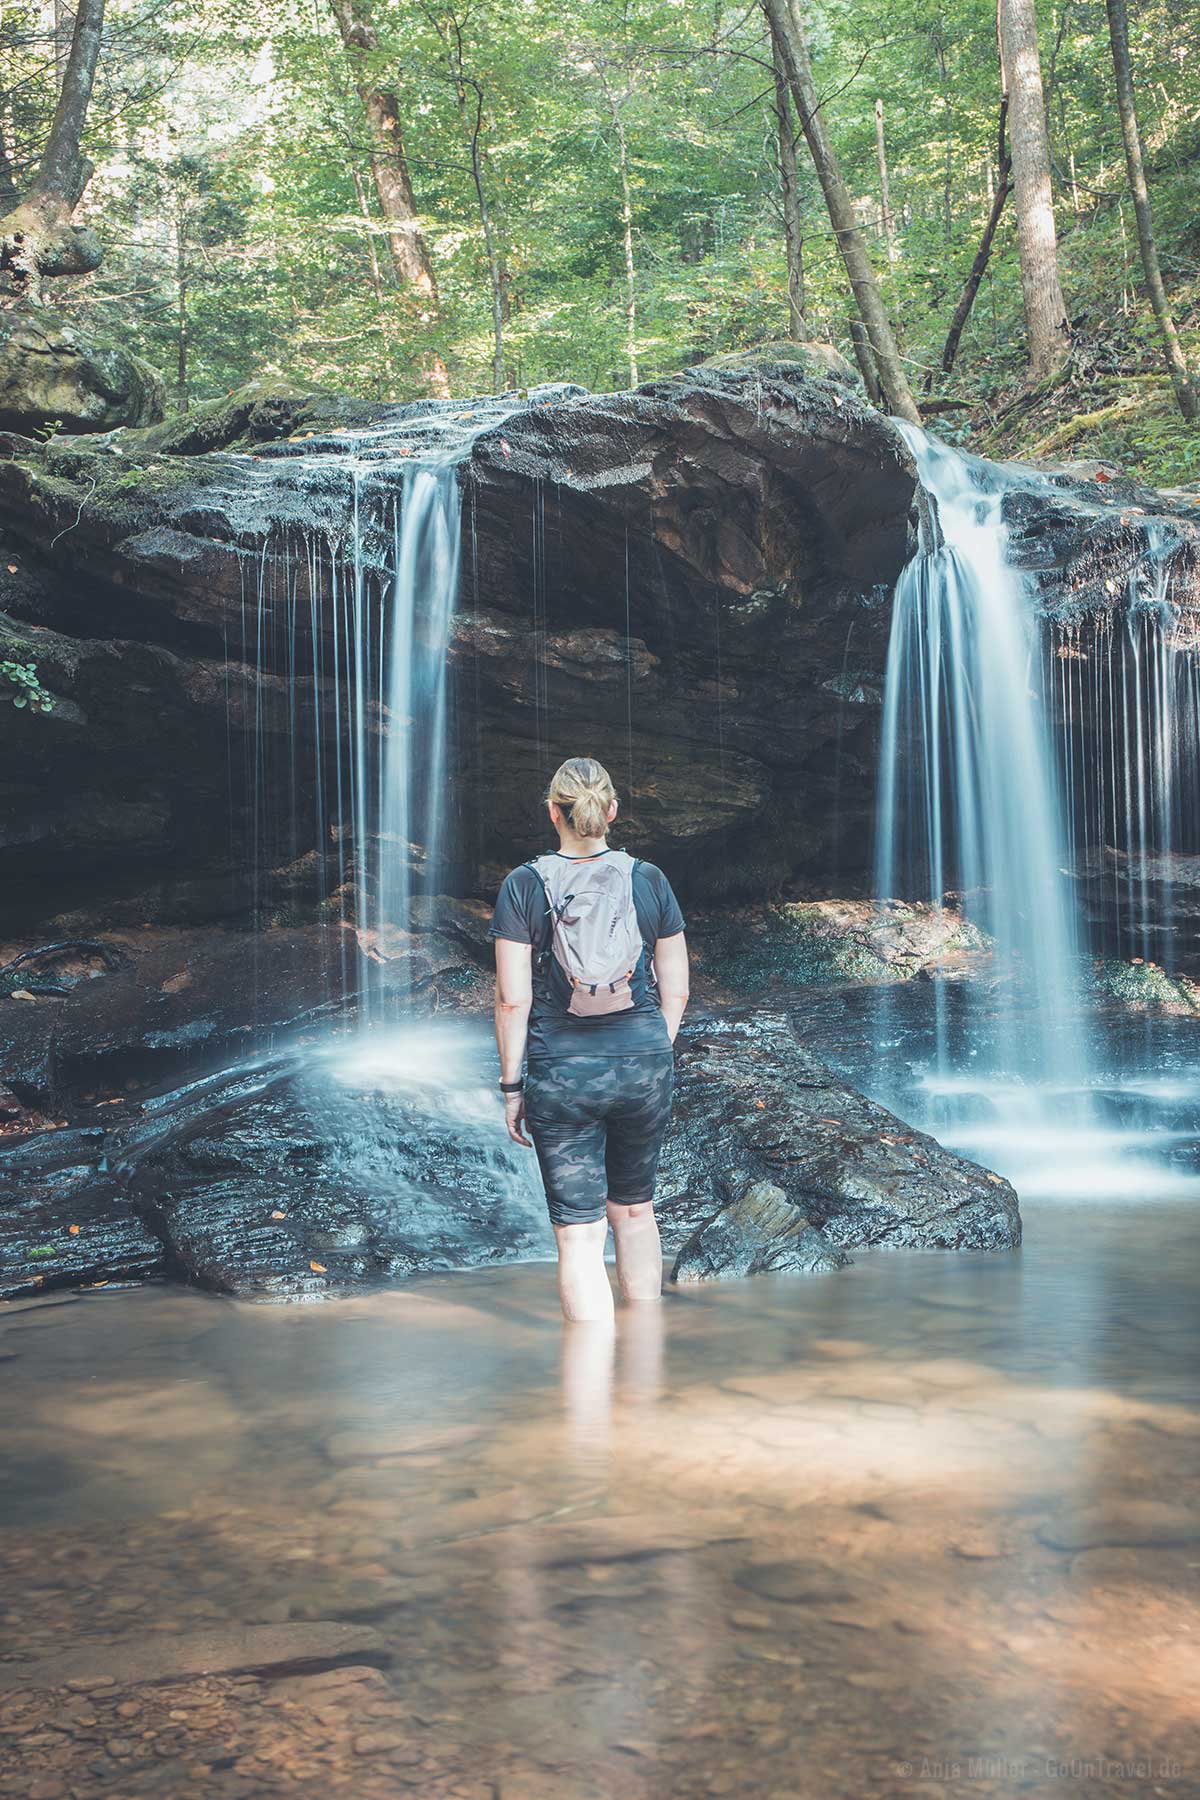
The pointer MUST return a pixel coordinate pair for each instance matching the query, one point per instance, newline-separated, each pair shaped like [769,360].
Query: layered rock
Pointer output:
[327,1162]
[754,1106]
[691,580]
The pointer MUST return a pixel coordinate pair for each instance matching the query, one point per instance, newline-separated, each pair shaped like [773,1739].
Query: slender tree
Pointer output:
[785,18]
[966,299]
[616,102]
[789,177]
[1177,369]
[885,190]
[37,237]
[1046,329]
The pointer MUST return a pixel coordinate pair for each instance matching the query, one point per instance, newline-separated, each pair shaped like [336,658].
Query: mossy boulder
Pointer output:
[55,375]
[1145,986]
[868,941]
[813,357]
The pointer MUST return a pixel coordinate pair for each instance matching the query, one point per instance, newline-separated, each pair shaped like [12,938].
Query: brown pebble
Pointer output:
[376,1743]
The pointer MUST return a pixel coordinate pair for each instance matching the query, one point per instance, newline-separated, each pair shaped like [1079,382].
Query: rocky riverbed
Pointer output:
[924,1527]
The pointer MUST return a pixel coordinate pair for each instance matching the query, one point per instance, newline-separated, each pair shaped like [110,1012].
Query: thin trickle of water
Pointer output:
[346,620]
[1127,689]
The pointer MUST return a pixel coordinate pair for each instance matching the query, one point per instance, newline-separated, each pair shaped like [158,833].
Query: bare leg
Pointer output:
[639,1250]
[583,1285]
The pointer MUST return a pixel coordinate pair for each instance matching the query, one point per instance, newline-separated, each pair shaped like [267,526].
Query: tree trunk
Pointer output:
[966,299]
[37,238]
[614,107]
[1046,328]
[389,165]
[784,16]
[495,273]
[885,192]
[360,194]
[1177,369]
[389,171]
[789,175]
[181,326]
[866,361]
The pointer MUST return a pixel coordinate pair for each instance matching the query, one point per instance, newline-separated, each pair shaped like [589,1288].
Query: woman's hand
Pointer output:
[514,1118]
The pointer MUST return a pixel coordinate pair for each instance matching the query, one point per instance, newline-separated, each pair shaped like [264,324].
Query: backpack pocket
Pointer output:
[597,1002]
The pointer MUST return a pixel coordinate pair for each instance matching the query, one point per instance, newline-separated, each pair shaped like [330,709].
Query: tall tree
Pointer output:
[616,102]
[1046,329]
[966,299]
[37,236]
[1177,369]
[789,177]
[785,18]
[389,161]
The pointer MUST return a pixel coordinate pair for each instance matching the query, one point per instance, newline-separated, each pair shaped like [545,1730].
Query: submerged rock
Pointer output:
[760,1232]
[753,1105]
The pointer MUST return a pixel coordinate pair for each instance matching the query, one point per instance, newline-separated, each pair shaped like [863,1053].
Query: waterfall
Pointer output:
[1028,763]
[347,616]
[969,806]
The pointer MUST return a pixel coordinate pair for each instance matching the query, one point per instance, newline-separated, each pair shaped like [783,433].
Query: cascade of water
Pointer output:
[968,803]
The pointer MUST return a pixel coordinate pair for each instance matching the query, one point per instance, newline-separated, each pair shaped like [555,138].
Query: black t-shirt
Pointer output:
[521,915]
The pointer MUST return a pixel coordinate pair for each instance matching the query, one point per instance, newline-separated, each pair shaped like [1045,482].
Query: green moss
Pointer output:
[1145,984]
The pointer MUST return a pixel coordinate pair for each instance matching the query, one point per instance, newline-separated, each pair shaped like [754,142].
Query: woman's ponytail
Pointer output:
[583,793]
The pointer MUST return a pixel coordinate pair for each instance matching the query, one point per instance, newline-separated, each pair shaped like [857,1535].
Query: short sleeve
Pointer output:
[669,920]
[516,913]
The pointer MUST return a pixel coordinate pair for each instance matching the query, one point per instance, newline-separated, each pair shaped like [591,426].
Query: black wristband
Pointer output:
[512,1087]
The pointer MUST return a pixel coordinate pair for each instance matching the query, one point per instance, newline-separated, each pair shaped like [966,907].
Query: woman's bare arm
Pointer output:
[671,973]
[514,996]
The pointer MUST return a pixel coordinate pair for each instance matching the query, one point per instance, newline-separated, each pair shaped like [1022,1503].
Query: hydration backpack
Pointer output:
[596,942]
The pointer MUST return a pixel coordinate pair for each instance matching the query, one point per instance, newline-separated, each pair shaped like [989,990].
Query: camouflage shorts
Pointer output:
[597,1124]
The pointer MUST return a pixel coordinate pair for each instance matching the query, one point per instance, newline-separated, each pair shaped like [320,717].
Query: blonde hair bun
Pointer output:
[583,792]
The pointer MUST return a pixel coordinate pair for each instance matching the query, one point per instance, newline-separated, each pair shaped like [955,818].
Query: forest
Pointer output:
[994,216]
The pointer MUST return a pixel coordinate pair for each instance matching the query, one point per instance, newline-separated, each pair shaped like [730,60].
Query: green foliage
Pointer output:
[244,236]
[28,690]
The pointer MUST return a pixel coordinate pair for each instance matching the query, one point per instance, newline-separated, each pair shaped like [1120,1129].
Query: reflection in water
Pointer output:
[782,1538]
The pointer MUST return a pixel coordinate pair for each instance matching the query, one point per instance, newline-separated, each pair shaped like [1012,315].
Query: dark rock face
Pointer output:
[691,581]
[668,578]
[56,376]
[754,1106]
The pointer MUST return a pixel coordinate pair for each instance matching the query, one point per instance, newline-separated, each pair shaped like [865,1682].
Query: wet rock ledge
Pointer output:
[149,1151]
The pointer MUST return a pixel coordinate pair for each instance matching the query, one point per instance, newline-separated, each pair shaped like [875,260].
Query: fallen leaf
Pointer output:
[504,447]
[74,1230]
[22,994]
[12,568]
[318,1268]
[278,1215]
[998,1179]
[761,1105]
[1103,475]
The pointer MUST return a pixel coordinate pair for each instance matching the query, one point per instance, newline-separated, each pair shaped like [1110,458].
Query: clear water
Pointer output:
[926,1527]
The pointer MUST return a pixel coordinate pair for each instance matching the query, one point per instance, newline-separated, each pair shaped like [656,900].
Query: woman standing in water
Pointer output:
[591,983]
